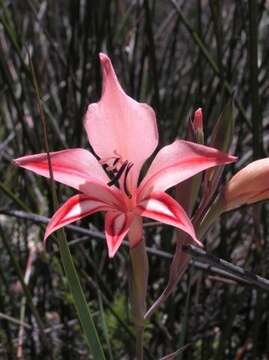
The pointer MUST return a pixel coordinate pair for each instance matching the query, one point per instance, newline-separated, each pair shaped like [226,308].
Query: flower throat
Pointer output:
[116,172]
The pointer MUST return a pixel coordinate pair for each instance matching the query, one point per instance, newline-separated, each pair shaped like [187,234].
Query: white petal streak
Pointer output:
[116,227]
[157,205]
[75,208]
[162,207]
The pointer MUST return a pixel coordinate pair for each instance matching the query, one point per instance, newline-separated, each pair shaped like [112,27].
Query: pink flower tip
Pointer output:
[103,57]
[105,63]
[232,158]
[198,120]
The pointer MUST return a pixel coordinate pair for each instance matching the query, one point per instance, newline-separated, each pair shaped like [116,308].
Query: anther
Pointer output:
[125,186]
[116,178]
[115,161]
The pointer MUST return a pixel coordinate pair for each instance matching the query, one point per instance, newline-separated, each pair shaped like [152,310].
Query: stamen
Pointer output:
[116,178]
[125,186]
[115,161]
[115,167]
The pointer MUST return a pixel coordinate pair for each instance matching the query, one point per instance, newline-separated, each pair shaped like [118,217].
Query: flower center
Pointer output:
[116,169]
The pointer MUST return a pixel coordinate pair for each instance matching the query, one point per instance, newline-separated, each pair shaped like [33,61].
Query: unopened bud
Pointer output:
[248,186]
[198,120]
[198,126]
[187,191]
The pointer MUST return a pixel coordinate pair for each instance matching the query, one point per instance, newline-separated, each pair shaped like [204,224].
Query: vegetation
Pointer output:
[176,56]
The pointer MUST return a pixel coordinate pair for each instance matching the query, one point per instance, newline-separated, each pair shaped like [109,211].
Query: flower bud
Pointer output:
[187,192]
[198,120]
[198,126]
[249,185]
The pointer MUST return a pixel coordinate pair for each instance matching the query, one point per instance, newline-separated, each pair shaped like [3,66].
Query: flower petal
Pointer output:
[179,161]
[75,208]
[161,207]
[116,227]
[118,124]
[72,167]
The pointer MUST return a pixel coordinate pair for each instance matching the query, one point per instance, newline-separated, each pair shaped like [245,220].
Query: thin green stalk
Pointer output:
[80,302]
[215,6]
[182,338]
[139,342]
[257,144]
[209,58]
[152,53]
[256,117]
[11,33]
[210,217]
[138,291]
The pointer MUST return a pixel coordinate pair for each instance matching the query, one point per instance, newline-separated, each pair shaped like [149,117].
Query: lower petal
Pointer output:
[117,225]
[161,207]
[75,208]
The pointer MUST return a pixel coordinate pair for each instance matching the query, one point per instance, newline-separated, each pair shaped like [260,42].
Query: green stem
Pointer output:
[139,342]
[138,291]
[210,217]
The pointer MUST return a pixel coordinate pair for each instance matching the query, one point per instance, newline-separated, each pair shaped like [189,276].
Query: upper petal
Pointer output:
[180,161]
[119,124]
[117,225]
[161,207]
[75,208]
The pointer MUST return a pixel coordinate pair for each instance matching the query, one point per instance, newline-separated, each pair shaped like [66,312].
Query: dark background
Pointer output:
[176,56]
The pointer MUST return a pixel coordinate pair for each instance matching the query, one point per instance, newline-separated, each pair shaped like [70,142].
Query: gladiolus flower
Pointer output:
[123,134]
[248,186]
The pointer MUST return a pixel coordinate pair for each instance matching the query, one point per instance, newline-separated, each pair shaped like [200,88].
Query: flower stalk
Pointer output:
[209,218]
[138,282]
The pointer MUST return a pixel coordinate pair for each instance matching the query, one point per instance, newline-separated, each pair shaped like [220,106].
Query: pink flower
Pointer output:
[123,134]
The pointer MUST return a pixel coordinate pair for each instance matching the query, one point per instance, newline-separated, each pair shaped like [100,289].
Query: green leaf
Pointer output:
[80,302]
[222,134]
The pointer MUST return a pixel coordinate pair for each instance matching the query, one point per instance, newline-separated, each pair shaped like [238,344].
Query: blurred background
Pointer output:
[176,56]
